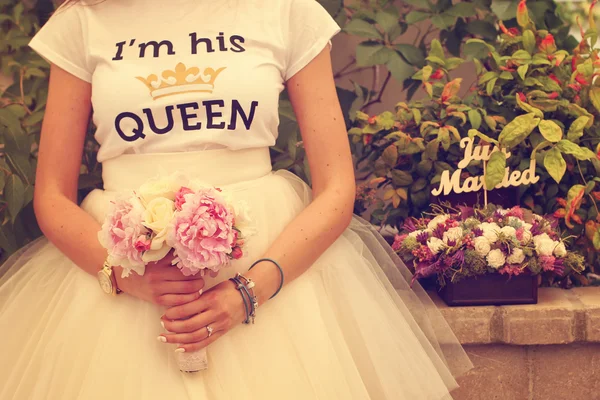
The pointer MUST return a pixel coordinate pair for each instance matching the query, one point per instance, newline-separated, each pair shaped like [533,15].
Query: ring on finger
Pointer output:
[210,330]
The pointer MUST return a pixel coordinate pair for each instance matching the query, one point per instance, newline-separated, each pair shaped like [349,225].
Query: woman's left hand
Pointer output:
[221,308]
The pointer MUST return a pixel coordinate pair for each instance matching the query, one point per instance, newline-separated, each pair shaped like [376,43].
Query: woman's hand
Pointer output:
[221,308]
[162,284]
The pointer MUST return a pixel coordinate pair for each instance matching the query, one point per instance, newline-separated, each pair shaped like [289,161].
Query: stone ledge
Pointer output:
[560,317]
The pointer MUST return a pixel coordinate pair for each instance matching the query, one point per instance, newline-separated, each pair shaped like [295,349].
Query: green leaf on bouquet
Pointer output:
[14,194]
[580,153]
[555,164]
[495,170]
[576,128]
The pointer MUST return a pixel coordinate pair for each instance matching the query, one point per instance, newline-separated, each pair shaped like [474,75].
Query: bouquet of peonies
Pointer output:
[470,241]
[203,226]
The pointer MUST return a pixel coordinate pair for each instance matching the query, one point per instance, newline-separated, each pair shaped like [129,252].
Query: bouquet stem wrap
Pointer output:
[192,362]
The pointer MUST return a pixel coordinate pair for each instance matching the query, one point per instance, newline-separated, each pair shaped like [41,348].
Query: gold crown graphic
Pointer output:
[181,80]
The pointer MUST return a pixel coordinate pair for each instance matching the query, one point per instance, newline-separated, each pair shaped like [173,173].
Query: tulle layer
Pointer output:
[349,328]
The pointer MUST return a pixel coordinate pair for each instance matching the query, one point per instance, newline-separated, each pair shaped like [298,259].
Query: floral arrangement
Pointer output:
[203,225]
[465,242]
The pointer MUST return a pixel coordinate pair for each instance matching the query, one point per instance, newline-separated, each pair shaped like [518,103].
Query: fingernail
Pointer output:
[163,324]
[162,339]
[200,291]
[180,350]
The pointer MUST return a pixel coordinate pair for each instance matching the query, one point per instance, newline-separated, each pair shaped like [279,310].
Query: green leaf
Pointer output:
[482,28]
[495,170]
[580,153]
[474,118]
[401,178]
[416,16]
[518,129]
[529,108]
[443,21]
[369,54]
[475,133]
[362,28]
[431,150]
[411,54]
[477,48]
[436,60]
[550,131]
[521,56]
[453,62]
[436,49]
[390,156]
[487,77]
[399,68]
[529,41]
[489,87]
[522,71]
[595,97]
[416,115]
[596,240]
[387,20]
[576,128]
[555,164]
[14,194]
[424,167]
[506,75]
[462,10]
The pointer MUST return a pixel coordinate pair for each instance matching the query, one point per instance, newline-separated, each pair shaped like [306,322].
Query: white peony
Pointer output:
[514,221]
[157,217]
[435,245]
[508,231]
[543,237]
[440,219]
[455,234]
[560,250]
[158,187]
[527,236]
[490,231]
[517,257]
[527,226]
[482,246]
[496,258]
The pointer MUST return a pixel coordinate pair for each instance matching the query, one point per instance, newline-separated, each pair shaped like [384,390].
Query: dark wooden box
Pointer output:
[491,289]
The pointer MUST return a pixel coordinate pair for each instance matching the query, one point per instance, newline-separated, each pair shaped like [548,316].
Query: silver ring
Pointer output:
[209,330]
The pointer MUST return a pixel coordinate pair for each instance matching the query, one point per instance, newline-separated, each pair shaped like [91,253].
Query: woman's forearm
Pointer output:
[71,230]
[305,239]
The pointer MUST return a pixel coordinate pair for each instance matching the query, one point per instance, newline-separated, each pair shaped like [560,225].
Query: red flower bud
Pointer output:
[553,95]
[575,86]
[367,139]
[555,79]
[581,80]
[510,32]
[438,74]
[547,45]
[573,64]
[522,97]
[372,120]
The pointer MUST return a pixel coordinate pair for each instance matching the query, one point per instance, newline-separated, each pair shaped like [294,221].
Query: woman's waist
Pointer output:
[217,167]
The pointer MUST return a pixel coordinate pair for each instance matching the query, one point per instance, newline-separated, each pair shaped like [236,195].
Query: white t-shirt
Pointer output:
[179,75]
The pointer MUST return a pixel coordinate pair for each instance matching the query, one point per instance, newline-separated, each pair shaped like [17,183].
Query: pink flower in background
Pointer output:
[121,235]
[398,239]
[202,232]
[237,253]
[547,263]
[143,243]
[180,197]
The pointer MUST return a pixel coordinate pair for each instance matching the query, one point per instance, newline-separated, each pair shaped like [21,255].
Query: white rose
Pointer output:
[157,217]
[560,250]
[455,234]
[482,246]
[508,231]
[160,187]
[527,236]
[517,257]
[440,219]
[545,247]
[540,238]
[496,258]
[490,231]
[527,226]
[435,245]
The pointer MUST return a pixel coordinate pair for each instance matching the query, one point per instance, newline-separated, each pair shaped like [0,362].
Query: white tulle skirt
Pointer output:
[349,328]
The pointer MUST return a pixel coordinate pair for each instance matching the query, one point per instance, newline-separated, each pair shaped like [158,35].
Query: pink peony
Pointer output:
[516,212]
[123,235]
[398,239]
[202,232]
[547,263]
[180,197]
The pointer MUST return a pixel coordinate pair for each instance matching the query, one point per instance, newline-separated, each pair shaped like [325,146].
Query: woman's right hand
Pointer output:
[162,284]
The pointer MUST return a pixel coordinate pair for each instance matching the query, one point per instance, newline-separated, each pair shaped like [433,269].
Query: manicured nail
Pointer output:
[180,350]
[200,291]
[163,324]
[162,339]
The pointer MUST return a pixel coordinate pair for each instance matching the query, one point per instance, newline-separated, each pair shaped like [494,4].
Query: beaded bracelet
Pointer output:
[280,271]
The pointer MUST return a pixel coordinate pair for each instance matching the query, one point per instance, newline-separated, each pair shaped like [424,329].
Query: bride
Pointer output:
[335,316]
